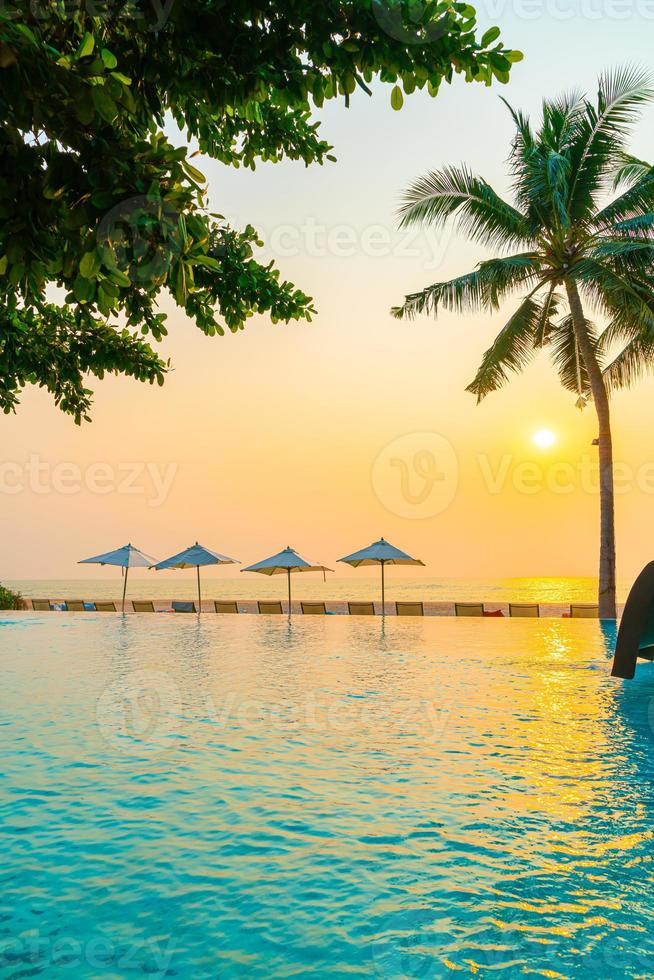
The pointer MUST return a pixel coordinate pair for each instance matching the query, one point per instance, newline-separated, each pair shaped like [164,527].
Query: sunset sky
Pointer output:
[327,436]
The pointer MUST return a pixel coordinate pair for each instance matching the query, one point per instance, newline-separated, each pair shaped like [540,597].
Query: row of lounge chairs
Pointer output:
[520,610]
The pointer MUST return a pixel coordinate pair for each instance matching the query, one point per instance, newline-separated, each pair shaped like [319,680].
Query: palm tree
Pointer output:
[568,247]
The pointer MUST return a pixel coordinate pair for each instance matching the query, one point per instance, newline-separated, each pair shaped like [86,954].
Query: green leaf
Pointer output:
[491,35]
[105,105]
[104,301]
[86,47]
[89,265]
[397,99]
[119,277]
[514,56]
[16,273]
[498,62]
[83,289]
[84,111]
[195,174]
[108,59]
[180,289]
[110,289]
[502,76]
[208,263]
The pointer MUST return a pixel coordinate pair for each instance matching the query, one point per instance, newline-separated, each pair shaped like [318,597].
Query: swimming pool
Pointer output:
[252,798]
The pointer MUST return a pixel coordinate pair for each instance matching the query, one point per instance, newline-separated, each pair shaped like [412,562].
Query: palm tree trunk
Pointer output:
[607,600]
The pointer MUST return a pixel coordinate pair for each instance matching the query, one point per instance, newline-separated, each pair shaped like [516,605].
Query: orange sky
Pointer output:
[330,435]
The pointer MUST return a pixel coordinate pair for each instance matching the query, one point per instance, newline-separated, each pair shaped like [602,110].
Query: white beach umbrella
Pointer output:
[126,557]
[380,553]
[194,557]
[286,562]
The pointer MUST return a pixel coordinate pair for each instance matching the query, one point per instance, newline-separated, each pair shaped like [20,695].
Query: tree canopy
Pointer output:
[100,213]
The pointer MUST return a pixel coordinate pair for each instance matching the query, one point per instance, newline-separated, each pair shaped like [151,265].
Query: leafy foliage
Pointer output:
[97,201]
[9,599]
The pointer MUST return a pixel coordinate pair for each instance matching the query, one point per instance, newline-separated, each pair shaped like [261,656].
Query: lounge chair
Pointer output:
[142,605]
[584,611]
[314,608]
[105,607]
[184,607]
[223,606]
[75,605]
[270,608]
[409,609]
[361,608]
[469,608]
[636,633]
[41,605]
[524,610]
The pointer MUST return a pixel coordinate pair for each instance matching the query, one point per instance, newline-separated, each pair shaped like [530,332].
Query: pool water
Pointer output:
[249,797]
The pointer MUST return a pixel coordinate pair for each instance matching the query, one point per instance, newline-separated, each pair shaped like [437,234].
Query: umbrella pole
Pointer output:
[199,593]
[124,588]
[288,573]
[383,591]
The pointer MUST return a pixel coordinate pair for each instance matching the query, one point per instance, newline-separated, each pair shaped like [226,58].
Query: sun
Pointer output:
[544,438]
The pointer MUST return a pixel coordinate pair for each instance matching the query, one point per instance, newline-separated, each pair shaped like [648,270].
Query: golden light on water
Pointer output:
[544,438]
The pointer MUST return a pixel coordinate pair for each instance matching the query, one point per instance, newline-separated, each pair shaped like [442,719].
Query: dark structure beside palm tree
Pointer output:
[570,249]
[636,634]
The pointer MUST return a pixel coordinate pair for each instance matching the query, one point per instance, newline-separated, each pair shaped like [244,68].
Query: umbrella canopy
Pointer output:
[380,553]
[126,557]
[194,557]
[284,563]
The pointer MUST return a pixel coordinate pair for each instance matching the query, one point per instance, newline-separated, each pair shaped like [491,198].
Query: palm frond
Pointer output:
[636,202]
[550,309]
[482,289]
[641,223]
[540,163]
[614,290]
[567,359]
[635,360]
[629,170]
[602,133]
[480,212]
[523,141]
[513,348]
[621,247]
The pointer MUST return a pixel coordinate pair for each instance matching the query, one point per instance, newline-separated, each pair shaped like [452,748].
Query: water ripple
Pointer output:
[257,798]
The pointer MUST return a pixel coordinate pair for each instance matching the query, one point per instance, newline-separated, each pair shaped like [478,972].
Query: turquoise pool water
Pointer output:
[334,798]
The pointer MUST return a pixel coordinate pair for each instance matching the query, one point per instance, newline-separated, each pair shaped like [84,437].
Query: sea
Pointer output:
[153,585]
